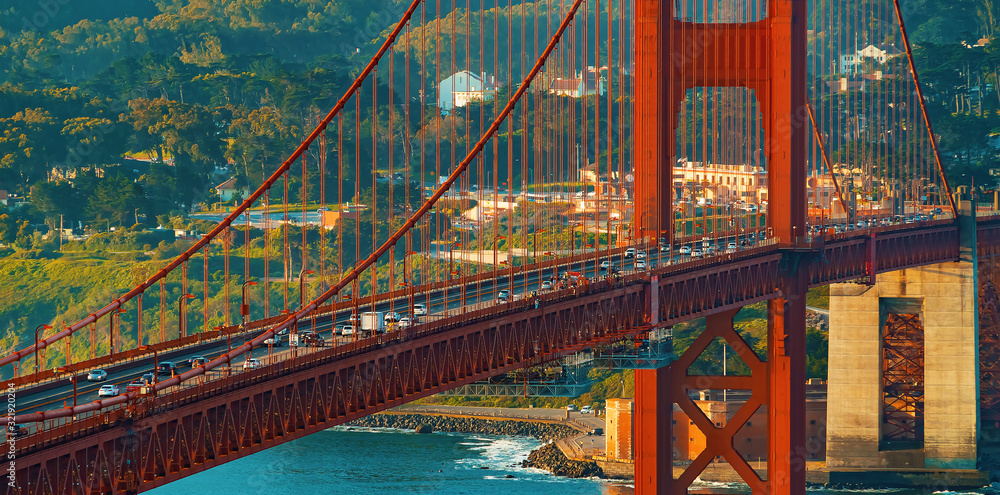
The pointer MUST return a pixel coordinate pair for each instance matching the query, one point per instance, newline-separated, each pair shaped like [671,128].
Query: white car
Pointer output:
[586,410]
[630,252]
[348,330]
[731,248]
[405,322]
[696,253]
[391,317]
[640,255]
[640,264]
[419,310]
[251,364]
[605,264]
[108,391]
[685,250]
[97,376]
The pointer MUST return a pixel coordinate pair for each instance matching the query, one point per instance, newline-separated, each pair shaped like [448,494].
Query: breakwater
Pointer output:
[465,424]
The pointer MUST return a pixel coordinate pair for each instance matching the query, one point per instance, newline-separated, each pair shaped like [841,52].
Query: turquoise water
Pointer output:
[358,461]
[362,461]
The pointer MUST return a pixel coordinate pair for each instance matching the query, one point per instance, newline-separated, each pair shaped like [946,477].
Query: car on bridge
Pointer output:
[97,376]
[640,255]
[135,386]
[251,364]
[685,250]
[419,310]
[546,285]
[405,322]
[166,368]
[630,252]
[696,253]
[605,264]
[503,296]
[640,264]
[311,339]
[197,361]
[17,431]
[391,317]
[108,391]
[275,341]
[348,330]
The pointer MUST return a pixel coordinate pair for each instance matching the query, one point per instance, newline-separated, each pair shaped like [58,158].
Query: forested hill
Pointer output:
[70,41]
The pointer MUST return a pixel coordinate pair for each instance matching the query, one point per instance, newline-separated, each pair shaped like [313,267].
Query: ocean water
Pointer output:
[360,461]
[357,461]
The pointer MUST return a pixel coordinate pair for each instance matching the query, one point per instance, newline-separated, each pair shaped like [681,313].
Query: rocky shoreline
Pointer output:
[461,424]
[547,457]
[550,458]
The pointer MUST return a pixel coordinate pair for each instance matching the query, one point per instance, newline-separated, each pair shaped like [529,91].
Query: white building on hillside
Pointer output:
[464,87]
[878,54]
[580,85]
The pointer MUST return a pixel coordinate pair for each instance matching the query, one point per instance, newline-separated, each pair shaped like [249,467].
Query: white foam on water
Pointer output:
[367,429]
[502,453]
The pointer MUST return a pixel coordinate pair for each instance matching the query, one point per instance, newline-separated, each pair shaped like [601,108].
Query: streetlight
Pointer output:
[408,281]
[64,369]
[156,361]
[495,240]
[180,315]
[302,286]
[534,243]
[555,268]
[244,307]
[451,258]
[37,329]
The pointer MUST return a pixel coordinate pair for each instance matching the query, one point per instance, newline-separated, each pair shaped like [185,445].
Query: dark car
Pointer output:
[148,378]
[197,361]
[166,368]
[17,431]
[311,339]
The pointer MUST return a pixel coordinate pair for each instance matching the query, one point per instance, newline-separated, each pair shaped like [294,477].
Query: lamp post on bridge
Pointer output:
[495,283]
[156,361]
[534,244]
[244,309]
[408,280]
[72,378]
[37,329]
[180,315]
[451,258]
[302,286]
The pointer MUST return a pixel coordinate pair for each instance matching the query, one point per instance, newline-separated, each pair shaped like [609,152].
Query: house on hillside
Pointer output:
[877,54]
[581,85]
[228,189]
[464,87]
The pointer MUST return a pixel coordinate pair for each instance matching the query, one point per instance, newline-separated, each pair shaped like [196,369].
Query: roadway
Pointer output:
[439,304]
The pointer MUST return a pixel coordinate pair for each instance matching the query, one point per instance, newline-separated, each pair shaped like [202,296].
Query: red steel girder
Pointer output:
[767,56]
[903,378]
[154,442]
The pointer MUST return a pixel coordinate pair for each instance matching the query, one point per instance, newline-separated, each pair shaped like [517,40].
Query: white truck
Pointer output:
[372,322]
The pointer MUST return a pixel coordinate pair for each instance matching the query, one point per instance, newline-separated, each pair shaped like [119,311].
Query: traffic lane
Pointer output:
[324,325]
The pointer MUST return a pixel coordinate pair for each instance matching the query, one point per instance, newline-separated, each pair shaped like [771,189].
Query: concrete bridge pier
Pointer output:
[903,394]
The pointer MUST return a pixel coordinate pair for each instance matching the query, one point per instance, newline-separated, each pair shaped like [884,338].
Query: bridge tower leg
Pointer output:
[673,56]
[904,369]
